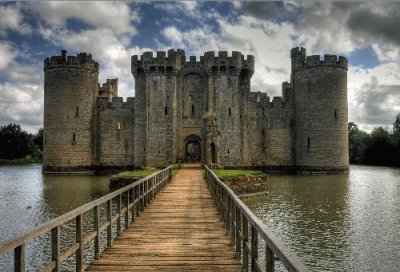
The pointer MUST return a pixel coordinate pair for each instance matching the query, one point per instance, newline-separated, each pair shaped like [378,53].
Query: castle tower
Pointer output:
[156,92]
[70,93]
[320,106]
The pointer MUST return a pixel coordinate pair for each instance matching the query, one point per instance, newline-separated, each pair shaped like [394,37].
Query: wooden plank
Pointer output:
[180,230]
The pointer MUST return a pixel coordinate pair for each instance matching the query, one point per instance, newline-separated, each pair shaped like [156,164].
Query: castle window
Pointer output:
[166,110]
[228,151]
[336,114]
[308,142]
[263,132]
[118,126]
[73,138]
[309,87]
[192,108]
[230,112]
[77,111]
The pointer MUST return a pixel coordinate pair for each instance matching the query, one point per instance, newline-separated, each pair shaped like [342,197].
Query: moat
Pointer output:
[345,222]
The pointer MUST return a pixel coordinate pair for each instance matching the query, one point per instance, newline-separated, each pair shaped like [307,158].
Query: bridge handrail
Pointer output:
[138,195]
[237,217]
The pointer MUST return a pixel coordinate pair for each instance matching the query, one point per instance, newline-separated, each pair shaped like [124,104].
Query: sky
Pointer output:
[366,33]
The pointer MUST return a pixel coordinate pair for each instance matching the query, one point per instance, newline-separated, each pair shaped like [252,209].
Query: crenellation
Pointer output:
[82,60]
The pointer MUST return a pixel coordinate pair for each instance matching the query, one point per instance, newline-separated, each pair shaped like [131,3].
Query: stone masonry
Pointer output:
[195,110]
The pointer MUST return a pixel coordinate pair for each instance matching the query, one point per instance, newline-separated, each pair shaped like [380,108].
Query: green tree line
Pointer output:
[380,147]
[17,145]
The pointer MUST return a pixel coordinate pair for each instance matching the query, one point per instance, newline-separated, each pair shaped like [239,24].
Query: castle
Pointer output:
[195,110]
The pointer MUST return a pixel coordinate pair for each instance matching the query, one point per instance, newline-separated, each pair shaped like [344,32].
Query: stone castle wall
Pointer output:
[115,132]
[196,104]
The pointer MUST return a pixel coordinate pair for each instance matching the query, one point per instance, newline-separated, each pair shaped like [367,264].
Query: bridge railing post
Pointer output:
[19,258]
[127,200]
[245,244]
[55,248]
[254,249]
[96,222]
[79,241]
[238,233]
[109,220]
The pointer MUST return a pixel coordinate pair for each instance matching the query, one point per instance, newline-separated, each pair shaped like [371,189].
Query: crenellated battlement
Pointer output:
[300,60]
[223,62]
[161,63]
[173,61]
[82,60]
[327,61]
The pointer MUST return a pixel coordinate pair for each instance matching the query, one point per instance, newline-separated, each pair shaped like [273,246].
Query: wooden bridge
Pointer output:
[184,228]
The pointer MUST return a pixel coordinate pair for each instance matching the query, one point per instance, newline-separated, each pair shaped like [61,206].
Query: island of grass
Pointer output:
[125,178]
[244,182]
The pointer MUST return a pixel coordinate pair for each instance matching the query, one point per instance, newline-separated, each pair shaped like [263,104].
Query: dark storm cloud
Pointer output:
[374,26]
[267,10]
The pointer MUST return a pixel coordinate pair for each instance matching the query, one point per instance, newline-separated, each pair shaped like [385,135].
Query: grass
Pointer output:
[228,174]
[136,173]
[22,161]
[176,168]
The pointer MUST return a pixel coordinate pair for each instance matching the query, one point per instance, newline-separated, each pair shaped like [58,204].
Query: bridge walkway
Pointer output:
[180,230]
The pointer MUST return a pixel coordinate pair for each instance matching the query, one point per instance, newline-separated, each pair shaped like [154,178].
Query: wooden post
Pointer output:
[79,240]
[254,249]
[119,208]
[55,248]
[232,221]
[19,258]
[96,222]
[127,210]
[238,230]
[109,219]
[269,259]
[245,244]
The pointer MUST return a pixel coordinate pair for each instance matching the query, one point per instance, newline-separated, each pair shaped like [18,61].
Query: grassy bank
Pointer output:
[22,161]
[224,174]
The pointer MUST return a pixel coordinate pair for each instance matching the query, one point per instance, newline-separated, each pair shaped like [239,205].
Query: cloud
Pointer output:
[22,104]
[115,16]
[12,19]
[7,55]
[172,34]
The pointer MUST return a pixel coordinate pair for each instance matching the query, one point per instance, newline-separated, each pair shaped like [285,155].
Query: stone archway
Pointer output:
[193,150]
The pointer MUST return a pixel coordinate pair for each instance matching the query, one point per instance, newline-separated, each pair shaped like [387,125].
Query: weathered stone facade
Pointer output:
[195,110]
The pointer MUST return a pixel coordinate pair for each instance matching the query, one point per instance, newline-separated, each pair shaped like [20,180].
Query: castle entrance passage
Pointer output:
[193,148]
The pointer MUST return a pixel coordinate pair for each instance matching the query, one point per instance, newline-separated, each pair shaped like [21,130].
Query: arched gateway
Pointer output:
[193,150]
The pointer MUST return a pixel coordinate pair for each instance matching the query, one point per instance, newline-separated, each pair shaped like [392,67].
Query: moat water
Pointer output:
[345,222]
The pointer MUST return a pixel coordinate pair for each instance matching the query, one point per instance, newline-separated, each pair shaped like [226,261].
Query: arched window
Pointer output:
[166,110]
[230,112]
[336,114]
[192,108]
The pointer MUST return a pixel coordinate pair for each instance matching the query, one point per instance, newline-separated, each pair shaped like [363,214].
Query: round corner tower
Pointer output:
[70,93]
[321,112]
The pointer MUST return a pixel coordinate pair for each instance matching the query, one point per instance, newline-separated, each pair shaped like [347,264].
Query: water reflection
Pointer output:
[346,222]
[27,199]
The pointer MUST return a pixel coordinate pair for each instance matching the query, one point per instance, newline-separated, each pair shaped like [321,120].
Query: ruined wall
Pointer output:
[70,93]
[320,97]
[115,132]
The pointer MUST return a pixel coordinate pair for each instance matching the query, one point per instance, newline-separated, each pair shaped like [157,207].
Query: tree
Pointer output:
[14,142]
[357,143]
[38,139]
[380,149]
